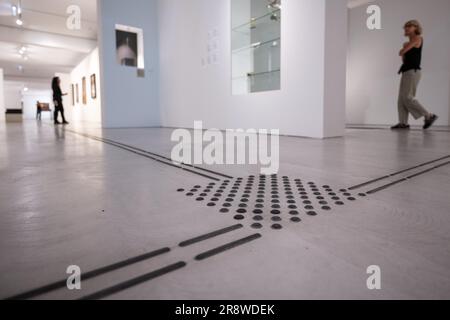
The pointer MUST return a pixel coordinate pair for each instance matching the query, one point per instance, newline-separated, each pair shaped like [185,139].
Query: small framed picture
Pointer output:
[93,86]
[83,88]
[77,93]
[73,94]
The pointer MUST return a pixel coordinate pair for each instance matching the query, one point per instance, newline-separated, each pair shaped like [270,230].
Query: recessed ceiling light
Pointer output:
[25,89]
[19,22]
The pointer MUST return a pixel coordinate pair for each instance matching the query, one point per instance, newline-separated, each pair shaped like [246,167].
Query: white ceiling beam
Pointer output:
[44,39]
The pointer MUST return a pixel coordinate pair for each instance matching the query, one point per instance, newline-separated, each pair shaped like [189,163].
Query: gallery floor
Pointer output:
[140,228]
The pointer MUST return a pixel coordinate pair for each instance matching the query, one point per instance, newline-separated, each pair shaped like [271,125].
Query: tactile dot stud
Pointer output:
[239,217]
[257,211]
[257,226]
[326,208]
[362,195]
[276,219]
[241,211]
[311,213]
[200,199]
[276,212]
[190,194]
[224,210]
[180,190]
[339,203]
[296,219]
[294,213]
[351,199]
[277,226]
[258,218]
[211,204]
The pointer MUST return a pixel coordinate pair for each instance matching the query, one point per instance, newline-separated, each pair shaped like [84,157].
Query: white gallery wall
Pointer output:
[30,99]
[13,95]
[373,61]
[17,98]
[2,96]
[307,105]
[91,112]
[129,100]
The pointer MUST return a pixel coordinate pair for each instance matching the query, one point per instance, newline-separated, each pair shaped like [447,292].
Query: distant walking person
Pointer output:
[411,74]
[38,111]
[57,99]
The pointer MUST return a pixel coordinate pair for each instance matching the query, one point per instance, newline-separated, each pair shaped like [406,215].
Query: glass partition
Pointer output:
[255,45]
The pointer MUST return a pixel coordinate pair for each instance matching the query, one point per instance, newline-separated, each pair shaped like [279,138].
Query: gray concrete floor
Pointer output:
[66,199]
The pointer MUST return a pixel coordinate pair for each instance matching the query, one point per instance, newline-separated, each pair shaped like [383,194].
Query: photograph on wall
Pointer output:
[83,88]
[127,48]
[93,86]
[77,93]
[73,94]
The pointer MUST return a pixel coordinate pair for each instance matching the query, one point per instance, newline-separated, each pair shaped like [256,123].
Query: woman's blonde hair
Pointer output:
[416,24]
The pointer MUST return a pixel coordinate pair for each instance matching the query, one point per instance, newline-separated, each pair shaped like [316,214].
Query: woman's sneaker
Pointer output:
[401,126]
[430,122]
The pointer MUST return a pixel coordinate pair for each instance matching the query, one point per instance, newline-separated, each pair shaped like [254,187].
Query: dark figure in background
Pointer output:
[57,100]
[38,111]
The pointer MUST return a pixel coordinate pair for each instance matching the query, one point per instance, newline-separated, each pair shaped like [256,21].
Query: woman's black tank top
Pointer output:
[413,60]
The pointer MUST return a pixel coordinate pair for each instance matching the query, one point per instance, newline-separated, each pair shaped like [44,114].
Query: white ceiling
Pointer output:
[52,47]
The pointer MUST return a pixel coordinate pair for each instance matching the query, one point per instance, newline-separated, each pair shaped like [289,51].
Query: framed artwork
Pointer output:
[77,93]
[126,45]
[130,46]
[73,94]
[83,88]
[93,86]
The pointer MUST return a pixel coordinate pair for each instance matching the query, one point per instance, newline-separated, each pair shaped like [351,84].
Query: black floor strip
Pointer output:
[397,173]
[210,235]
[168,159]
[428,170]
[152,155]
[145,154]
[386,186]
[368,183]
[227,247]
[134,282]
[407,178]
[89,275]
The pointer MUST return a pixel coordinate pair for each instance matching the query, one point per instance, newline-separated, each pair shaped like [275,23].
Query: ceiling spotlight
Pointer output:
[25,89]
[17,12]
